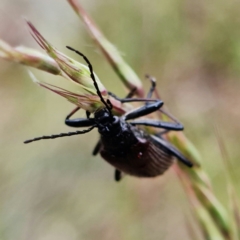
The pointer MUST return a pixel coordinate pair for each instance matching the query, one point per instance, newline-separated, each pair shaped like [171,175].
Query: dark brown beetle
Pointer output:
[124,145]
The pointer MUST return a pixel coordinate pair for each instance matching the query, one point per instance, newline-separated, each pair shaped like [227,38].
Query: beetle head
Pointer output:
[106,122]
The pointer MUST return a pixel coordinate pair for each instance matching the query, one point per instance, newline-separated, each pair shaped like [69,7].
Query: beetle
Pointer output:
[128,148]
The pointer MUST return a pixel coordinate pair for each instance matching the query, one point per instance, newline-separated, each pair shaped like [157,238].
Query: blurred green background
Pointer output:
[56,189]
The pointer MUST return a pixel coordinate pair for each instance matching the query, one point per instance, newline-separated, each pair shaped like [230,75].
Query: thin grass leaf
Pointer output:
[76,71]
[206,223]
[210,231]
[81,91]
[191,230]
[215,209]
[212,215]
[29,57]
[78,89]
[126,74]
[235,212]
[231,179]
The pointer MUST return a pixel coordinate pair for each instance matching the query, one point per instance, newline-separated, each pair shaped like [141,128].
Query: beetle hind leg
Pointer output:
[97,148]
[117,175]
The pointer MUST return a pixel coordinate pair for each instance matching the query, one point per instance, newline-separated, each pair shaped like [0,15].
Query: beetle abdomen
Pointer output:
[144,158]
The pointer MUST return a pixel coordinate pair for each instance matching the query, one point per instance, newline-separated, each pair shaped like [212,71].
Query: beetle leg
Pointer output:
[117,175]
[144,110]
[130,99]
[162,133]
[153,87]
[129,95]
[97,148]
[88,114]
[158,124]
[172,149]
[79,122]
[72,112]
[132,92]
[72,123]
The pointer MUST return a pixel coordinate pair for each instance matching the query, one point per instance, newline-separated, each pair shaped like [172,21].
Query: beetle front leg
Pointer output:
[72,112]
[79,122]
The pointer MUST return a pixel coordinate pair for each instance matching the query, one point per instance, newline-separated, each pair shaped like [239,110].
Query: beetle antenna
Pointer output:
[60,135]
[108,104]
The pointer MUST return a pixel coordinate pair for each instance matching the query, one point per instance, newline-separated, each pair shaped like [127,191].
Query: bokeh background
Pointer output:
[56,189]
